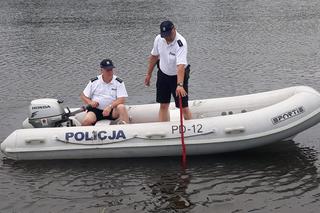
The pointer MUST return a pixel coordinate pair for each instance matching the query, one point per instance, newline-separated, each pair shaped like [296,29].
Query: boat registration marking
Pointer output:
[190,129]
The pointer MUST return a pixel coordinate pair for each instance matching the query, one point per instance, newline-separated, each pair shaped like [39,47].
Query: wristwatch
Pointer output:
[180,84]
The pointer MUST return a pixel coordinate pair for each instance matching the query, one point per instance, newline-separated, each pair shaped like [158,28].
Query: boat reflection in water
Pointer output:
[265,178]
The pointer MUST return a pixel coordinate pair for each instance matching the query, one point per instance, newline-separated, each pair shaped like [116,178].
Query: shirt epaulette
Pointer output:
[94,79]
[119,80]
[180,43]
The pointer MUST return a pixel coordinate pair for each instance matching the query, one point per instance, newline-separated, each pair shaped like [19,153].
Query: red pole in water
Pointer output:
[184,156]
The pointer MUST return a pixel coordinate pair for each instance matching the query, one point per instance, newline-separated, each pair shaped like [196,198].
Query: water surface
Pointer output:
[52,48]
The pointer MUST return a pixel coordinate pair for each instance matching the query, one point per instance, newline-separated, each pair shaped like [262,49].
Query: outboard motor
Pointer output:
[46,112]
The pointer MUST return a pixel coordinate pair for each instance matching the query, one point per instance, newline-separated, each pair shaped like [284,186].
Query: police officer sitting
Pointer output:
[106,94]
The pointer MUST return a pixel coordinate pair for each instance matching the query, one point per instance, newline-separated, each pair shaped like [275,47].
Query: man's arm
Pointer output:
[180,91]
[152,63]
[88,101]
[118,101]
[114,104]
[180,73]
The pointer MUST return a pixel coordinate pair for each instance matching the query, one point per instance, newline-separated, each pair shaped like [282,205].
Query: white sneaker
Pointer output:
[121,122]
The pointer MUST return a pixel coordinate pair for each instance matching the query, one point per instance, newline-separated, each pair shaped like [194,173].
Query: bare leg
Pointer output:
[121,112]
[186,113]
[89,119]
[164,112]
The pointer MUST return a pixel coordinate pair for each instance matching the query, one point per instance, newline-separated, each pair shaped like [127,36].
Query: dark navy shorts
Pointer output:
[166,86]
[99,115]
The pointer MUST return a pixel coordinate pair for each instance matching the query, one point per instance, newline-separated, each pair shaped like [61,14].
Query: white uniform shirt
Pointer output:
[105,93]
[171,54]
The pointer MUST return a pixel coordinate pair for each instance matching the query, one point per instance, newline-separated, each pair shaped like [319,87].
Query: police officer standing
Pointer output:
[106,94]
[170,54]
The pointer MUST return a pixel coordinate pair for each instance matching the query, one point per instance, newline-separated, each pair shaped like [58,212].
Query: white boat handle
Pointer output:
[35,140]
[234,130]
[156,135]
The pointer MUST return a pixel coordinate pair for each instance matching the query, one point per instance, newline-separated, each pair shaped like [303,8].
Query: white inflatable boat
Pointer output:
[219,125]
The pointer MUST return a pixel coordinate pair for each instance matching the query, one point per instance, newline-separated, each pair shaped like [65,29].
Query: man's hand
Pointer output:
[106,111]
[94,104]
[147,80]
[181,92]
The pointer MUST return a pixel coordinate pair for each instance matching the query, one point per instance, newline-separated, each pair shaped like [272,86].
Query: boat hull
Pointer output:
[208,135]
